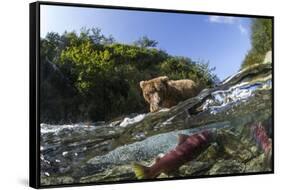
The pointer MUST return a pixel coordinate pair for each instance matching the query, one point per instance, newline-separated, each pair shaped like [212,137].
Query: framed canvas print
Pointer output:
[122,94]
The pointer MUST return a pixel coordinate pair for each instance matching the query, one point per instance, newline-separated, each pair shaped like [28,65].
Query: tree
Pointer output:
[105,75]
[261,41]
[262,35]
[145,42]
[51,45]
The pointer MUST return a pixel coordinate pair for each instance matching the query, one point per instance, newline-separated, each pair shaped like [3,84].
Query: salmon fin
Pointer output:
[158,157]
[182,138]
[141,171]
[172,173]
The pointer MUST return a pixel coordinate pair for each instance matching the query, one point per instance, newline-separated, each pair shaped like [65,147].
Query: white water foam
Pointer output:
[127,121]
[46,128]
[222,99]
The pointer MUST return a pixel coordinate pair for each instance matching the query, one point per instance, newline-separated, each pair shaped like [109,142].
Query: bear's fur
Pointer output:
[161,92]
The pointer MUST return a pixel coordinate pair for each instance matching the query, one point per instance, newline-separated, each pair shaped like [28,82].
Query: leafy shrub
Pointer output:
[106,74]
[261,41]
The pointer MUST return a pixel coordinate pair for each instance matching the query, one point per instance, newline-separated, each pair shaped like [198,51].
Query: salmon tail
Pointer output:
[140,171]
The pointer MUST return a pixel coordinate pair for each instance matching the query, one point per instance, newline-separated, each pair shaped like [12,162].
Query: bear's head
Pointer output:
[154,91]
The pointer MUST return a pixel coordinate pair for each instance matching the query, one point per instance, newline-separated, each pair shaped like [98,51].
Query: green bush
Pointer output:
[106,74]
[261,41]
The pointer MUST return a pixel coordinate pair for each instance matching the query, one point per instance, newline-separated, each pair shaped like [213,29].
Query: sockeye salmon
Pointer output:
[188,148]
[263,141]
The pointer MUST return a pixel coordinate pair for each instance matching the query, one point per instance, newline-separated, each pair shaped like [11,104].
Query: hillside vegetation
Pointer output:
[261,41]
[87,76]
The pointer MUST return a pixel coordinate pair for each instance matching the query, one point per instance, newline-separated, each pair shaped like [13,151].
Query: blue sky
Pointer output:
[223,41]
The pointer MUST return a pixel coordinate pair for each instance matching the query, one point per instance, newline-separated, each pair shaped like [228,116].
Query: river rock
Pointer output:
[268,57]
[61,180]
[227,167]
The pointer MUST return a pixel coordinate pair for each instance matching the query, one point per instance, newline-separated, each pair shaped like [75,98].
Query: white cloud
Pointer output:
[222,19]
[229,20]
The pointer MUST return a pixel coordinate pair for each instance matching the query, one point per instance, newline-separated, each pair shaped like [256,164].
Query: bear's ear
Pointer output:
[141,84]
[164,79]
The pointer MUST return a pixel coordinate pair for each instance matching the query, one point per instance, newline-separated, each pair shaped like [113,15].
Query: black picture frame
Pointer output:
[34,90]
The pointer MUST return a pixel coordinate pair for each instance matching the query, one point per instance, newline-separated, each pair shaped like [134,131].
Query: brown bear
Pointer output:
[161,92]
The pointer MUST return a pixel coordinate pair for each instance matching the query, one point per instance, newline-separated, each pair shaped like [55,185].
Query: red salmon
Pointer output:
[263,140]
[188,148]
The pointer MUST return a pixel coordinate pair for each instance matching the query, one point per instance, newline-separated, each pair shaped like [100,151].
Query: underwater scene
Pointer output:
[117,110]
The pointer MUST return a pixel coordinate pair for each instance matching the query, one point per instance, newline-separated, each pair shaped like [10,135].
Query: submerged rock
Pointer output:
[57,180]
[227,167]
[124,172]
